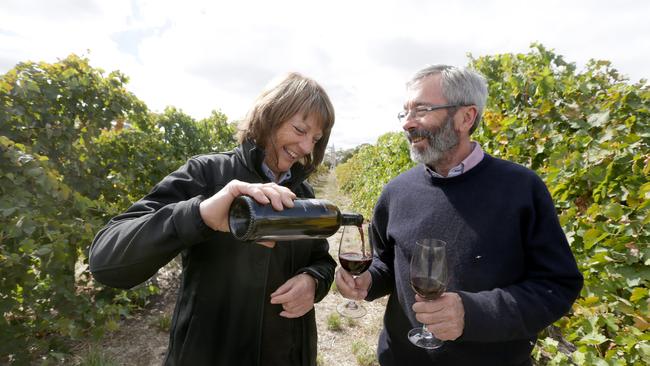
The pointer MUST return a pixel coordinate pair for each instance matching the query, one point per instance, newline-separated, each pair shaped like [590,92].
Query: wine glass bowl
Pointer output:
[428,278]
[427,288]
[355,256]
[355,263]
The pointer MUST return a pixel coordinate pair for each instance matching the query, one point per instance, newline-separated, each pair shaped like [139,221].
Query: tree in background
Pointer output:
[128,161]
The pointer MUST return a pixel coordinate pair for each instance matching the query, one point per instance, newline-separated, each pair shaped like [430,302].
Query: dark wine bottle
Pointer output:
[307,219]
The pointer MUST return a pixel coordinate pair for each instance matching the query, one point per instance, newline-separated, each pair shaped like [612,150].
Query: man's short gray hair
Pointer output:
[460,86]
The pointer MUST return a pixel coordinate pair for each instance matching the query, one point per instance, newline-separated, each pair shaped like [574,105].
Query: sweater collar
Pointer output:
[475,157]
[466,175]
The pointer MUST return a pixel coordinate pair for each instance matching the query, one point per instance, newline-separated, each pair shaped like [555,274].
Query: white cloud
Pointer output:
[205,55]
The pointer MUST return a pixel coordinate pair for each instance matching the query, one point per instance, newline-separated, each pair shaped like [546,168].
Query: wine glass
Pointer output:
[355,257]
[429,280]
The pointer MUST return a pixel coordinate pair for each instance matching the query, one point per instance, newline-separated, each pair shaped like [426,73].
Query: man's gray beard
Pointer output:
[441,141]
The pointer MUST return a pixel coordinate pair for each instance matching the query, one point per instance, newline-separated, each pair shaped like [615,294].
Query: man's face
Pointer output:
[432,135]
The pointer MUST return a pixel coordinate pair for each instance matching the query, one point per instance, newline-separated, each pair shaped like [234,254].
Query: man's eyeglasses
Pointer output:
[421,110]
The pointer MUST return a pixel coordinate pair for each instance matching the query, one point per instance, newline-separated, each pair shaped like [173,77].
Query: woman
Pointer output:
[240,303]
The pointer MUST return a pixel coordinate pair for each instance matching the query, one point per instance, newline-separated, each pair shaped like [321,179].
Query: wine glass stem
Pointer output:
[425,332]
[352,305]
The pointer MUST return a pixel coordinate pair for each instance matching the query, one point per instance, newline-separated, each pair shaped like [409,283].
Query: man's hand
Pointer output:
[296,296]
[444,316]
[350,287]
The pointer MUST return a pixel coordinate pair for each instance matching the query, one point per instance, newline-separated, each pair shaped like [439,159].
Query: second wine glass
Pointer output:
[355,256]
[429,280]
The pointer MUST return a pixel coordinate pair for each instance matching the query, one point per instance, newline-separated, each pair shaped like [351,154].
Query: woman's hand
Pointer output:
[296,296]
[214,210]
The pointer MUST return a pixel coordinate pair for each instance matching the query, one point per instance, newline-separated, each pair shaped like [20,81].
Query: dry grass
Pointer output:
[337,347]
[357,339]
[141,339]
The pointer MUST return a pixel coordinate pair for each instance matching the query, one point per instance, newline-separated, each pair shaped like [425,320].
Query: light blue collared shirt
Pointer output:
[269,173]
[468,163]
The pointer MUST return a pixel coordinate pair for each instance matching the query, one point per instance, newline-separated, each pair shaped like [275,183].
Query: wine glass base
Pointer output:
[349,311]
[418,338]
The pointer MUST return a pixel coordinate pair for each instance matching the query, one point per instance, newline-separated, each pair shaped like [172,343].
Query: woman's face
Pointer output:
[295,139]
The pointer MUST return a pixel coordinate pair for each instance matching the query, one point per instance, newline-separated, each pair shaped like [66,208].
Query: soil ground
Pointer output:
[142,338]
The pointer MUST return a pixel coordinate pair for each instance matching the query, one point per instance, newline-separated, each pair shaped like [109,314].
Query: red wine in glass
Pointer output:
[355,257]
[428,279]
[428,288]
[355,263]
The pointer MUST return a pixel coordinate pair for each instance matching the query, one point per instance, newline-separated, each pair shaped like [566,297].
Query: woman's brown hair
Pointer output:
[292,94]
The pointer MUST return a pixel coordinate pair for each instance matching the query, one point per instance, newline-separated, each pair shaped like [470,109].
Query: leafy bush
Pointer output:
[44,225]
[365,173]
[319,174]
[75,149]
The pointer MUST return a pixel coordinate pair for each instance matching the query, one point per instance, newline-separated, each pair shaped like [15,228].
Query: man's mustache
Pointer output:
[416,133]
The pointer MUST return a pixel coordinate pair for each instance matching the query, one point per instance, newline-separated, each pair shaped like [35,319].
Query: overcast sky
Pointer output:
[217,55]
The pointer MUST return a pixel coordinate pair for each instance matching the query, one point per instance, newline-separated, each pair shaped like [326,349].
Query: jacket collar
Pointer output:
[252,157]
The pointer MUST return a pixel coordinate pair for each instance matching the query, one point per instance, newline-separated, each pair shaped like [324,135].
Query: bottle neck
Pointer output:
[351,219]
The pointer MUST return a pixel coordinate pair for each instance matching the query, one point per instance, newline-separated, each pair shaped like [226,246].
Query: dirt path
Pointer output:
[357,339]
[142,339]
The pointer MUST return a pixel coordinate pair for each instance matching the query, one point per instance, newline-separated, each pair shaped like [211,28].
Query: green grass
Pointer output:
[95,357]
[163,322]
[334,322]
[352,322]
[364,355]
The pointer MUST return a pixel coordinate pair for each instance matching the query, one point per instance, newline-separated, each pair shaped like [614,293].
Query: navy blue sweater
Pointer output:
[509,261]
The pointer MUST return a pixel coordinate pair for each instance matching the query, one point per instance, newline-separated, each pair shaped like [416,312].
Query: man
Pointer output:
[511,271]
